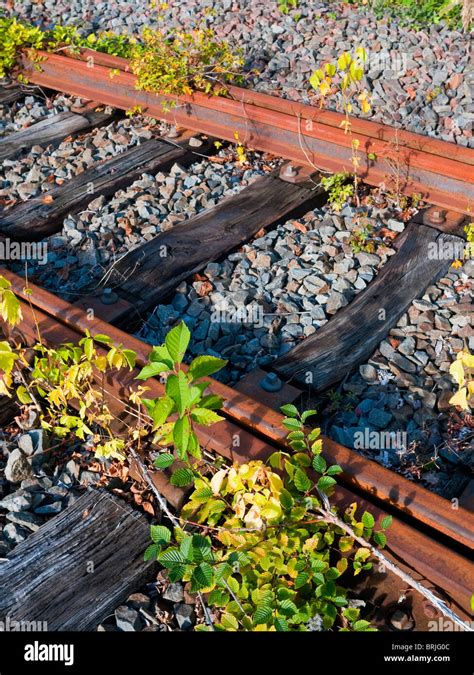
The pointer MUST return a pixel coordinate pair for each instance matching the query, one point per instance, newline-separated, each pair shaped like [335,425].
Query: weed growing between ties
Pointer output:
[262,538]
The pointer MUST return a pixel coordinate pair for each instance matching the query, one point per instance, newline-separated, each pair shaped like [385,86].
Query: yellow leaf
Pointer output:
[324,88]
[456,371]
[460,399]
[253,519]
[361,54]
[217,480]
[344,61]
[365,105]
[466,359]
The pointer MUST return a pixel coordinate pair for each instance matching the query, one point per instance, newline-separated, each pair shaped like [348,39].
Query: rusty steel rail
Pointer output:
[443,173]
[448,570]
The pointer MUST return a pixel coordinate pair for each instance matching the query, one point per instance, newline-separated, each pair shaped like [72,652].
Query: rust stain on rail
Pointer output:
[443,173]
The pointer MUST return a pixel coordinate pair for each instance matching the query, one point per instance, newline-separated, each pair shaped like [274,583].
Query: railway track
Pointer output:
[428,539]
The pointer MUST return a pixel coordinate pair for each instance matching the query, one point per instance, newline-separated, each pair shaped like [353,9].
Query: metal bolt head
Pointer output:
[271,382]
[289,171]
[109,297]
[437,215]
[401,619]
[172,132]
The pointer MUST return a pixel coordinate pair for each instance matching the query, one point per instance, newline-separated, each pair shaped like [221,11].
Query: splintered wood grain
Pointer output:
[9,95]
[355,332]
[41,216]
[50,131]
[78,567]
[156,267]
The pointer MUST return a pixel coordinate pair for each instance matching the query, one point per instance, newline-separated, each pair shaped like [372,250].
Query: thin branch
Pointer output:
[146,477]
[439,604]
[205,609]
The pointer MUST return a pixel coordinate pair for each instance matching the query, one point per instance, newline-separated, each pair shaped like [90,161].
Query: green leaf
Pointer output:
[177,572]
[380,539]
[301,579]
[281,624]
[161,410]
[289,410]
[301,481]
[286,500]
[334,470]
[229,622]
[218,598]
[368,520]
[205,416]
[262,615]
[170,557]
[151,370]
[177,341]
[288,607]
[211,401]
[340,601]
[317,447]
[164,460]
[361,625]
[23,395]
[161,354]
[296,436]
[203,366]
[160,534]
[386,522]
[104,339]
[181,432]
[202,495]
[202,548]
[194,449]
[186,548]
[194,396]
[152,552]
[319,464]
[292,424]
[202,577]
[318,565]
[222,571]
[182,477]
[325,483]
[306,414]
[130,357]
[178,388]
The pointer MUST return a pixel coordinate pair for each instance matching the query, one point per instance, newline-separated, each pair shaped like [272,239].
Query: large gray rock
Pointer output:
[13,534]
[17,501]
[18,467]
[185,616]
[174,593]
[127,619]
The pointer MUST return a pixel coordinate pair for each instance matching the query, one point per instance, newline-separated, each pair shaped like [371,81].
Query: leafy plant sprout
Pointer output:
[344,78]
